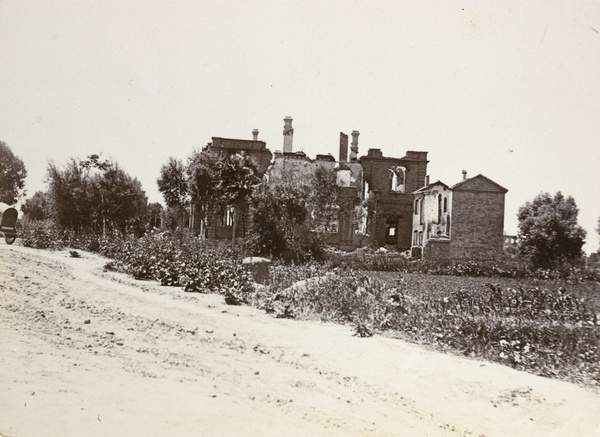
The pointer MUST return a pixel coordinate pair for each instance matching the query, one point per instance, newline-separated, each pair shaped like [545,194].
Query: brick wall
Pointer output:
[394,207]
[477,226]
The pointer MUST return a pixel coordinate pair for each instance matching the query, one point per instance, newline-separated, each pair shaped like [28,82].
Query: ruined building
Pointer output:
[220,224]
[390,182]
[385,201]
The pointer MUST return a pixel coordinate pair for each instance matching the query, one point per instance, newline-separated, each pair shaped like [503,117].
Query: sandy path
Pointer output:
[90,353]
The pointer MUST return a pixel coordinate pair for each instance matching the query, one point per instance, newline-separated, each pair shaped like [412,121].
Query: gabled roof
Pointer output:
[429,187]
[478,183]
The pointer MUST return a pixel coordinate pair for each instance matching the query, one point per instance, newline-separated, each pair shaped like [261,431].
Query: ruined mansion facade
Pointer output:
[383,201]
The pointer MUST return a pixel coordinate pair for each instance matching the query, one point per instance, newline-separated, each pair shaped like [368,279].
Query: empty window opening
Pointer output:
[228,216]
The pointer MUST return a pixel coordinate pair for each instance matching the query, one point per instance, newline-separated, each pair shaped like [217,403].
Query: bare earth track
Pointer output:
[87,352]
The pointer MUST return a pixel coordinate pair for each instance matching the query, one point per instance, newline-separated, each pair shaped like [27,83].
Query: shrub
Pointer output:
[41,234]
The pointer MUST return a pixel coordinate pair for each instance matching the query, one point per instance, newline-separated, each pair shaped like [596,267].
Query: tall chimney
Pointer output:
[343,147]
[464,175]
[255,135]
[427,180]
[354,146]
[288,134]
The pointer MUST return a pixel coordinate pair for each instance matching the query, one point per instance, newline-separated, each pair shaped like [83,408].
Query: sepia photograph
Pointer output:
[299,218]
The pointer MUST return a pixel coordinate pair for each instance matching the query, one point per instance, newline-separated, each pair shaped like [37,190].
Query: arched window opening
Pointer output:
[398,179]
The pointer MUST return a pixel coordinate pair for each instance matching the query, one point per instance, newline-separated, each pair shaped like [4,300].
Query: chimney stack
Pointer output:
[343,147]
[288,134]
[427,180]
[354,146]
[255,135]
[464,175]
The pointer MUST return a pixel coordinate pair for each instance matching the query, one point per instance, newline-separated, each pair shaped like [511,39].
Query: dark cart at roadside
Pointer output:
[8,222]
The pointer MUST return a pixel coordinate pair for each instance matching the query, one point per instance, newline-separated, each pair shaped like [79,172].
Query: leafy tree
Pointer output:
[155,211]
[12,175]
[119,200]
[237,179]
[37,207]
[203,173]
[280,214]
[219,182]
[69,191]
[548,231]
[93,194]
[173,185]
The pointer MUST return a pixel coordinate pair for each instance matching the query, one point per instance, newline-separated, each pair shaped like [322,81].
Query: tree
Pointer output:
[173,185]
[548,231]
[280,213]
[237,178]
[93,194]
[119,200]
[37,207]
[68,189]
[12,175]
[216,183]
[155,211]
[202,176]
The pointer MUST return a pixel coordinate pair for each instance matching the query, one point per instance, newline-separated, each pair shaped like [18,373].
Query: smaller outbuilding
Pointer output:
[465,221]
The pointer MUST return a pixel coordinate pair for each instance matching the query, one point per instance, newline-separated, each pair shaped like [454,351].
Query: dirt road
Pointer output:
[87,352]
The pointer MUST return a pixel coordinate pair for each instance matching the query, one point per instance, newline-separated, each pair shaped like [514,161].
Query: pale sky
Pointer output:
[507,89]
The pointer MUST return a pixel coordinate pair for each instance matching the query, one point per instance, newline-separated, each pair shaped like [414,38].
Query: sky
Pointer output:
[510,89]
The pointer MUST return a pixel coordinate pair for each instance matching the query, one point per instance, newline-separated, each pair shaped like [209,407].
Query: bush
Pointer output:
[175,258]
[41,234]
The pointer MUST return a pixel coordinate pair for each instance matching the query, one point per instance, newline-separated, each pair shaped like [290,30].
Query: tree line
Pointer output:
[290,214]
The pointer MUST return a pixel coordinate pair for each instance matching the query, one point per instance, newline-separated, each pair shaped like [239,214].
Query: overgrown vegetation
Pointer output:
[171,258]
[539,326]
[545,326]
[505,266]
